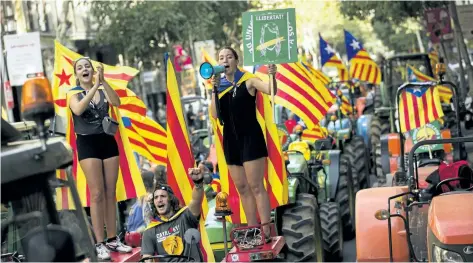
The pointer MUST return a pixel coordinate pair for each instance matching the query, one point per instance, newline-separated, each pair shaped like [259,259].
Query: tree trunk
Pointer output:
[456,22]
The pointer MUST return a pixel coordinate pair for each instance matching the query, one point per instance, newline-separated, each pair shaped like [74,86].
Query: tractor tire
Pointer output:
[378,127]
[357,153]
[302,230]
[380,176]
[345,198]
[378,100]
[332,231]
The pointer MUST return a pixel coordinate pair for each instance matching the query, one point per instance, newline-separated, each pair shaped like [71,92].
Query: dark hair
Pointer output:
[172,199]
[148,178]
[74,66]
[235,54]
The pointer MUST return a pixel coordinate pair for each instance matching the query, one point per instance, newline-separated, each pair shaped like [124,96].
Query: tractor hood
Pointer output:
[451,218]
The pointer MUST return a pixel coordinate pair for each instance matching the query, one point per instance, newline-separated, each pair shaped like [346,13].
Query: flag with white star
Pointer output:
[362,67]
[414,75]
[419,106]
[330,59]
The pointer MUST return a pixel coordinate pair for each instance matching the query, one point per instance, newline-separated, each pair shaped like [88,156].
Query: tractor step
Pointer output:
[267,252]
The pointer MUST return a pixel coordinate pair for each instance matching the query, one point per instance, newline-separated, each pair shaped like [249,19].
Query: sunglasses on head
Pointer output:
[165,188]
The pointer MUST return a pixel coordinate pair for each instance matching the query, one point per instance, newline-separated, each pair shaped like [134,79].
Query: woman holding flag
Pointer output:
[243,140]
[97,151]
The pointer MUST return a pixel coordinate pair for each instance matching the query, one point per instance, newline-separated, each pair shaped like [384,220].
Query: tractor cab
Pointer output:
[420,224]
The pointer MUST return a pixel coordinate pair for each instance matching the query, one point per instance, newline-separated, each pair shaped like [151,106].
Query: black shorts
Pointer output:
[244,148]
[99,146]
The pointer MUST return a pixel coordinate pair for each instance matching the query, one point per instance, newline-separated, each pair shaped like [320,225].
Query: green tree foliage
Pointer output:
[394,22]
[144,29]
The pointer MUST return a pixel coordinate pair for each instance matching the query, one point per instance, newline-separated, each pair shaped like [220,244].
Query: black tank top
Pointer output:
[90,121]
[238,112]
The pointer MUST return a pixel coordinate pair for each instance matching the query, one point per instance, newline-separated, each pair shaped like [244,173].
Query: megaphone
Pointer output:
[207,70]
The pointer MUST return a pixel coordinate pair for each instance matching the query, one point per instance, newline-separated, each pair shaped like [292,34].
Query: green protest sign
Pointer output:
[269,37]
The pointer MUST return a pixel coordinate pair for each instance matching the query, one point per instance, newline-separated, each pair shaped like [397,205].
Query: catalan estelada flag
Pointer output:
[362,67]
[146,136]
[275,173]
[414,75]
[305,96]
[419,106]
[180,157]
[330,59]
[129,184]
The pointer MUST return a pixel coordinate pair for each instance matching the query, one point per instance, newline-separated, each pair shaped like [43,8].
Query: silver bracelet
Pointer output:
[199,185]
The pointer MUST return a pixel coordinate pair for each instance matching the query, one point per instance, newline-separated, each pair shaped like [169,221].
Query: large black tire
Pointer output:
[332,231]
[380,175]
[378,127]
[345,198]
[378,101]
[357,153]
[302,230]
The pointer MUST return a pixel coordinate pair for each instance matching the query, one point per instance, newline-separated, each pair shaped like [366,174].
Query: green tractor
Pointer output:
[298,222]
[327,174]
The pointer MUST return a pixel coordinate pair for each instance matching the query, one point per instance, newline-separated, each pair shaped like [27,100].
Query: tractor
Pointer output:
[384,119]
[389,153]
[328,174]
[351,135]
[430,218]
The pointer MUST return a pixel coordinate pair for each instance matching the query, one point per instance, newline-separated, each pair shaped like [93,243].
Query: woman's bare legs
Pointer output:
[111,176]
[254,171]
[246,196]
[93,173]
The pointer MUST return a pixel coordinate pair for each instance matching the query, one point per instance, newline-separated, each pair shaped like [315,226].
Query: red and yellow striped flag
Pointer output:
[329,58]
[419,106]
[317,74]
[275,173]
[307,97]
[180,157]
[146,136]
[363,68]
[129,185]
[414,75]
[313,135]
[345,105]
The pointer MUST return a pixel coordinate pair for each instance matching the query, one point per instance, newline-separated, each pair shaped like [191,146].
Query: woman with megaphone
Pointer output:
[243,140]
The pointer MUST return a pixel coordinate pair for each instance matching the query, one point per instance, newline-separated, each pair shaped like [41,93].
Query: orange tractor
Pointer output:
[390,154]
[428,219]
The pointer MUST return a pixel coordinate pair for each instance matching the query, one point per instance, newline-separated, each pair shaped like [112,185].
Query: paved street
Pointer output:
[349,250]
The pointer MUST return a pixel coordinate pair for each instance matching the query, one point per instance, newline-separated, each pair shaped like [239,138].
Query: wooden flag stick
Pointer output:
[272,84]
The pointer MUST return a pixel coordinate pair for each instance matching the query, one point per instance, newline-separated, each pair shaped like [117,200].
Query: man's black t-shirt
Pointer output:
[168,238]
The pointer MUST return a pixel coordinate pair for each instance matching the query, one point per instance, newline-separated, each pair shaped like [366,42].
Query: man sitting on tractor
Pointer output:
[165,234]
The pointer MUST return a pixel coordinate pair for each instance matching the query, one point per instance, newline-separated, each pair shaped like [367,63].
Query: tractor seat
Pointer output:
[446,171]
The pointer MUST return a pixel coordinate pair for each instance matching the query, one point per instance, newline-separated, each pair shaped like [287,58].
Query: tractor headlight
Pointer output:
[443,255]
